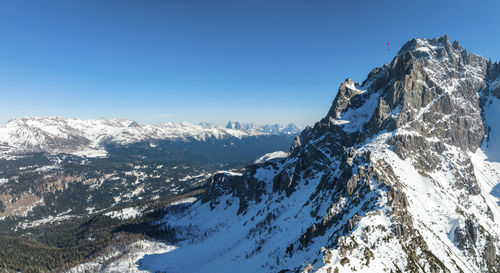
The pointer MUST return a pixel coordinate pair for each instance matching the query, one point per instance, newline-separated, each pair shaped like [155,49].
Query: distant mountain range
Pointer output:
[274,129]
[88,137]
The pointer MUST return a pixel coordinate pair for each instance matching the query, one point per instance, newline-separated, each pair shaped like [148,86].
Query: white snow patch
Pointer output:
[189,177]
[50,219]
[124,214]
[230,173]
[488,176]
[270,156]
[3,180]
[188,200]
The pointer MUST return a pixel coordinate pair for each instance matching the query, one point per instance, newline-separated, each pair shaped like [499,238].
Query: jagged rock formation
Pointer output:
[398,177]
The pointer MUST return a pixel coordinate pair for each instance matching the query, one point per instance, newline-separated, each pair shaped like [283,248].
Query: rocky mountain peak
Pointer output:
[134,124]
[426,81]
[393,179]
[233,125]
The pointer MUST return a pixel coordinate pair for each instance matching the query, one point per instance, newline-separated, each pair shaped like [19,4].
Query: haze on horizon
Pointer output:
[199,61]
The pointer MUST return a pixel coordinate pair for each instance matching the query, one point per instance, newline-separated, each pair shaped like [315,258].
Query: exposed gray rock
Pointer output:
[343,98]
[466,237]
[408,146]
[490,256]
[244,187]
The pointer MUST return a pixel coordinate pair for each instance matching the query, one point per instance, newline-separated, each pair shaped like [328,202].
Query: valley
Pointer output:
[74,192]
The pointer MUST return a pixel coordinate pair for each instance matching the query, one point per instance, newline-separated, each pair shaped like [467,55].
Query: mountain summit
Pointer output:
[401,175]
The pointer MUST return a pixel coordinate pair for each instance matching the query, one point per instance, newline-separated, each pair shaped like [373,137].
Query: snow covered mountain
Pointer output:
[88,137]
[274,129]
[402,175]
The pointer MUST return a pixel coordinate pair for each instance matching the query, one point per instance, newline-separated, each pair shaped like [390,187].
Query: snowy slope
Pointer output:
[402,175]
[123,259]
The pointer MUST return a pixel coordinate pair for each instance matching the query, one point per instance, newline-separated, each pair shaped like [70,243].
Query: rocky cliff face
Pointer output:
[402,175]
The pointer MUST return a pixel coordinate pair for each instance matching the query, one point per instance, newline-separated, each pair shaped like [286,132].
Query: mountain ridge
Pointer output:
[88,137]
[290,128]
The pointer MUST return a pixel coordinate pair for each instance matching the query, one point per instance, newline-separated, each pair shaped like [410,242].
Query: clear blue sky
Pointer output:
[254,61]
